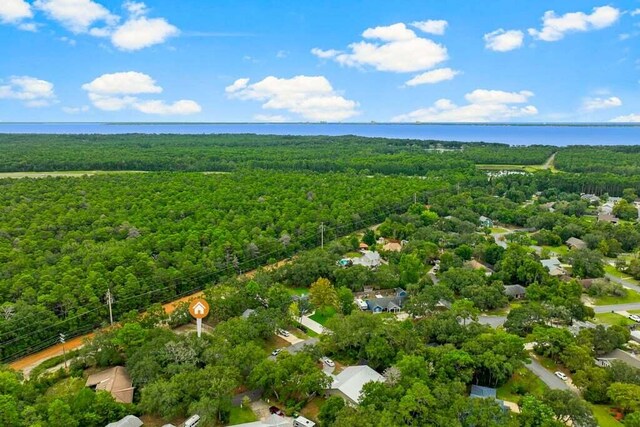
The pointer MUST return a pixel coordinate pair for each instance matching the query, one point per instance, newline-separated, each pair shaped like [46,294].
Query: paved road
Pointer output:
[307,322]
[549,163]
[622,282]
[616,307]
[547,377]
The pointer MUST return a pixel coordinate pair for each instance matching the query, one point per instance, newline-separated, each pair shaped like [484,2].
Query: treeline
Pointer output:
[24,153]
[618,160]
[150,237]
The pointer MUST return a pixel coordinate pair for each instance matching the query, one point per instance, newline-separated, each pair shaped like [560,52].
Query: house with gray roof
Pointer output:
[369,259]
[272,421]
[391,304]
[554,266]
[348,383]
[619,355]
[515,291]
[485,221]
[480,392]
[128,421]
[575,243]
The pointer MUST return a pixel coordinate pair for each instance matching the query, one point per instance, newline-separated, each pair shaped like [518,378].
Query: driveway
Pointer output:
[622,282]
[307,322]
[295,348]
[546,376]
[616,307]
[291,339]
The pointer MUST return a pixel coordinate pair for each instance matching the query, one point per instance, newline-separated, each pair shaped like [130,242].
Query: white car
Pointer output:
[276,352]
[634,317]
[561,375]
[284,333]
[328,362]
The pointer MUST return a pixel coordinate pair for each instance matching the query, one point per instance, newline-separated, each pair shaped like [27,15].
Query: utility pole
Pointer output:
[109,301]
[64,354]
[322,235]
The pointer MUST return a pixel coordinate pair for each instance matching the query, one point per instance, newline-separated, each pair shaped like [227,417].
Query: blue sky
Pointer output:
[428,61]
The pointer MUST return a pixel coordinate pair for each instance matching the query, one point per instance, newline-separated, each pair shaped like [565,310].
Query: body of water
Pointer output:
[560,135]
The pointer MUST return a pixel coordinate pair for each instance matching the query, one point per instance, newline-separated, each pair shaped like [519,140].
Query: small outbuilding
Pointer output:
[128,421]
[575,243]
[515,291]
[116,381]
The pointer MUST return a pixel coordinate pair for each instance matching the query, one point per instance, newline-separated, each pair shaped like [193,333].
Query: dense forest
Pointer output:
[231,152]
[150,237]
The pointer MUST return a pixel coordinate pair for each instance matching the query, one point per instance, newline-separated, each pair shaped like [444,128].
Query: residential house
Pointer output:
[554,266]
[603,217]
[368,259]
[515,291]
[477,265]
[128,421]
[578,325]
[635,336]
[620,355]
[116,381]
[348,383]
[479,392]
[392,304]
[607,208]
[363,246]
[485,222]
[392,246]
[591,198]
[272,421]
[575,243]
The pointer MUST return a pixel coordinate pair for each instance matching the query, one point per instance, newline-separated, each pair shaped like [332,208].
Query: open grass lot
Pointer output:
[522,382]
[275,342]
[322,316]
[613,319]
[17,175]
[620,275]
[298,291]
[241,415]
[499,230]
[631,297]
[604,417]
[560,250]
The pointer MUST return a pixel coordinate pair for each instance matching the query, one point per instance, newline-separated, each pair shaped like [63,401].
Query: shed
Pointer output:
[115,381]
[515,291]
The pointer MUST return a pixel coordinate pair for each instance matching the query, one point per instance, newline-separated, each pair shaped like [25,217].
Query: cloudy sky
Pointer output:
[354,61]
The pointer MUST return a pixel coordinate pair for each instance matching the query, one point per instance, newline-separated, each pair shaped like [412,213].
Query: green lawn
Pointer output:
[632,296]
[522,382]
[298,291]
[322,316]
[560,250]
[603,416]
[499,230]
[353,255]
[241,415]
[613,319]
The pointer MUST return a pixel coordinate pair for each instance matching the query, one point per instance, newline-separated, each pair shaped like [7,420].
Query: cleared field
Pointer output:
[18,175]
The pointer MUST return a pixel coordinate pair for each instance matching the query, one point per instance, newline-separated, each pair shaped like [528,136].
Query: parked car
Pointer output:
[328,362]
[561,375]
[276,410]
[283,332]
[276,352]
[634,317]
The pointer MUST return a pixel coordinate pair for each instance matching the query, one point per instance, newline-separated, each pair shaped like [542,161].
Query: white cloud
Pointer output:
[12,11]
[432,26]
[129,82]
[396,48]
[276,118]
[592,104]
[117,91]
[433,76]
[31,91]
[503,41]
[76,110]
[311,97]
[282,54]
[630,118]
[76,15]
[135,9]
[140,32]
[182,107]
[635,12]
[555,27]
[484,106]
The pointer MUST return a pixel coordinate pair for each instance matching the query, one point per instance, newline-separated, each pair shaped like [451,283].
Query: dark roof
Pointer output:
[479,391]
[514,290]
[573,241]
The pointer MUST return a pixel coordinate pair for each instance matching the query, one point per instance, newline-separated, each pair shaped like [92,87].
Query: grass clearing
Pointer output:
[240,415]
[322,316]
[631,297]
[522,382]
[620,275]
[604,417]
[19,175]
[560,250]
[498,230]
[274,342]
[298,291]
[312,409]
[613,319]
